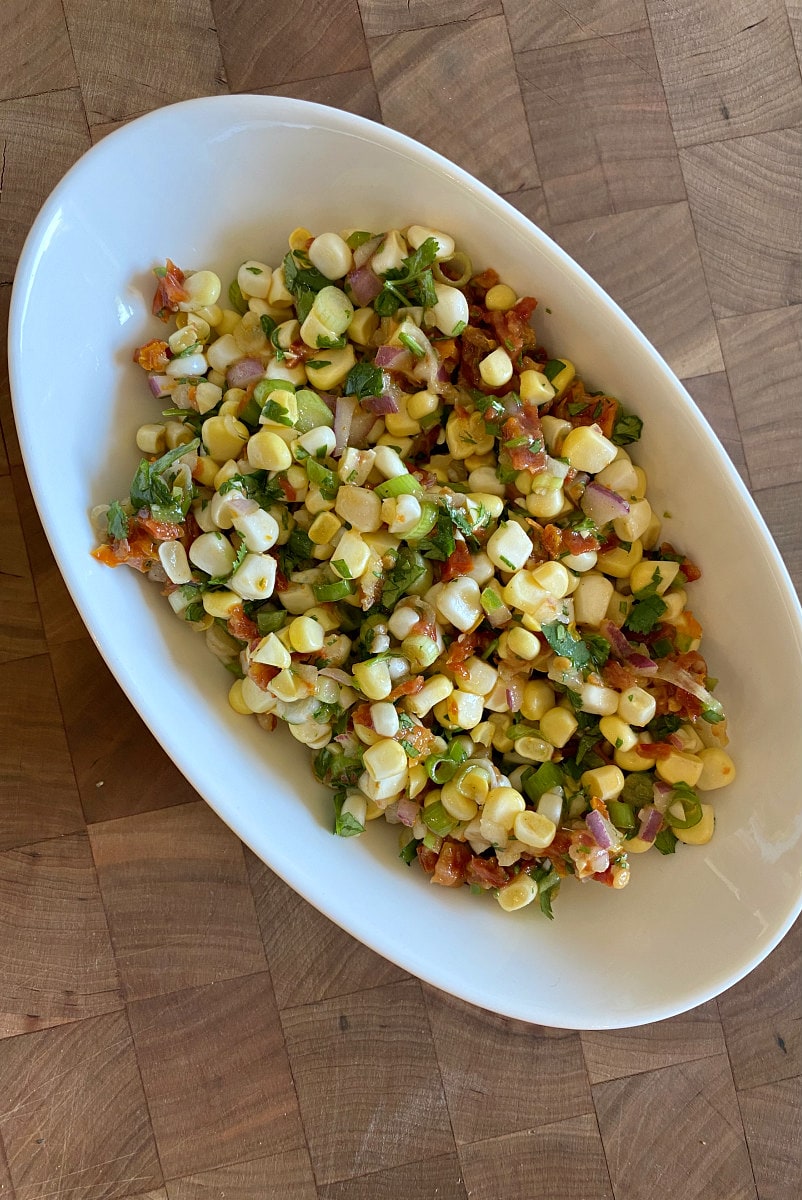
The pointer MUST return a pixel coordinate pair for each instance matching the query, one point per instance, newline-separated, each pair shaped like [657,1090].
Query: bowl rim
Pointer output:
[294,113]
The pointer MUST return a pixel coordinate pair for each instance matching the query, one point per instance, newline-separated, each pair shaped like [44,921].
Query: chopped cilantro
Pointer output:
[117,521]
[552,368]
[666,841]
[236,298]
[297,550]
[627,428]
[152,489]
[345,824]
[408,570]
[439,543]
[330,343]
[584,654]
[645,615]
[364,380]
[409,852]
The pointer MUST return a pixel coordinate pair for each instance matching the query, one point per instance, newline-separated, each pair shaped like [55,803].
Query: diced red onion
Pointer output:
[343,417]
[361,425]
[662,792]
[651,822]
[641,665]
[515,694]
[242,505]
[602,505]
[395,358]
[366,251]
[365,285]
[380,404]
[598,827]
[407,811]
[618,641]
[241,373]
[161,385]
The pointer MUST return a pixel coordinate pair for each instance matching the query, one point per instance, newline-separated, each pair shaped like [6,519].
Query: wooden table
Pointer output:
[174,1022]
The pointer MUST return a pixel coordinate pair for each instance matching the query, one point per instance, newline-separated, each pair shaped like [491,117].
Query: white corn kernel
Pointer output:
[459,602]
[418,234]
[390,254]
[258,529]
[352,556]
[450,314]
[385,759]
[202,288]
[636,706]
[591,599]
[388,462]
[496,369]
[435,689]
[618,733]
[373,679]
[509,546]
[255,578]
[272,652]
[173,558]
[212,553]
[464,709]
[598,699]
[360,507]
[331,255]
[150,439]
[267,451]
[535,387]
[384,716]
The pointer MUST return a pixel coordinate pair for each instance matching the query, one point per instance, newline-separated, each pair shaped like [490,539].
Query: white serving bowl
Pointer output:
[214,181]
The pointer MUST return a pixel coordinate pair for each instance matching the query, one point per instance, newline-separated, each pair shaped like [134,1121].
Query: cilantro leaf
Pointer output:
[151,487]
[364,380]
[345,824]
[296,551]
[117,522]
[236,298]
[627,428]
[256,486]
[645,615]
[439,543]
[567,643]
[408,569]
[666,841]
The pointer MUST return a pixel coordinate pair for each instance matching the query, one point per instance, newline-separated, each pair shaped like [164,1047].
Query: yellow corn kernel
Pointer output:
[605,783]
[435,689]
[633,760]
[224,437]
[373,680]
[521,891]
[468,435]
[323,528]
[563,379]
[221,604]
[679,767]
[205,471]
[236,700]
[558,725]
[618,733]
[535,387]
[306,636]
[718,769]
[300,238]
[587,449]
[500,298]
[338,364]
[267,451]
[456,804]
[553,577]
[363,325]
[272,652]
[535,830]
[522,643]
[656,575]
[636,845]
[538,698]
[150,439]
[620,562]
[700,833]
[422,404]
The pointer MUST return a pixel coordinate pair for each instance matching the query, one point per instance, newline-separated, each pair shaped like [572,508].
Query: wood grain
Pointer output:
[310,958]
[616,1053]
[715,59]
[297,42]
[763,353]
[353,91]
[564,1160]
[592,115]
[553,23]
[767,1049]
[680,1125]
[106,737]
[41,136]
[438,1177]
[140,56]
[771,1116]
[393,16]
[747,210]
[713,396]
[482,1055]
[39,798]
[73,1115]
[659,282]
[343,1053]
[37,57]
[21,634]
[54,943]
[176,895]
[237,991]
[216,1075]
[286,1176]
[495,144]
